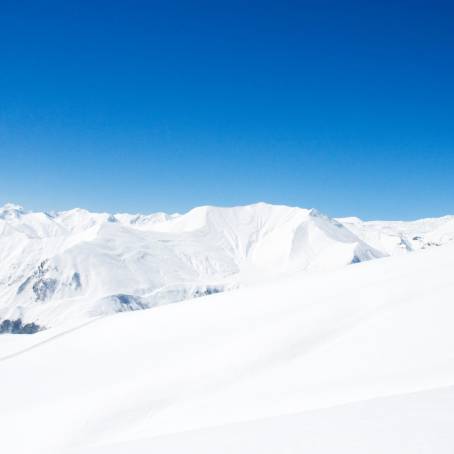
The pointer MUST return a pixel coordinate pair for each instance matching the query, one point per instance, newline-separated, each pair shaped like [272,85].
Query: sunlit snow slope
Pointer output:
[289,366]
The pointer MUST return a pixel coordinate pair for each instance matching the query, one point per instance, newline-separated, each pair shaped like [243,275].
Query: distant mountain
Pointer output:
[74,265]
[394,237]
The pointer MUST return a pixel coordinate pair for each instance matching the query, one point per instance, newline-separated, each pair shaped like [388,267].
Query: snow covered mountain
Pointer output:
[355,360]
[395,237]
[75,265]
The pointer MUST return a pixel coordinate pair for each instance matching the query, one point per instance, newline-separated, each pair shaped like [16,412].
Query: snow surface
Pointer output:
[72,266]
[397,424]
[352,359]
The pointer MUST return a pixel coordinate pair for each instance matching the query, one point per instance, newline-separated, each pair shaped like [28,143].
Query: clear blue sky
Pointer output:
[143,106]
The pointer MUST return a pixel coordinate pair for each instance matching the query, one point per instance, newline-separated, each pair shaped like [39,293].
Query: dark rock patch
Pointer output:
[129,302]
[75,281]
[209,290]
[44,288]
[18,327]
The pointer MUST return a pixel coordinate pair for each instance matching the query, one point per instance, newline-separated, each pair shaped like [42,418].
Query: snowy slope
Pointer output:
[397,424]
[313,346]
[75,265]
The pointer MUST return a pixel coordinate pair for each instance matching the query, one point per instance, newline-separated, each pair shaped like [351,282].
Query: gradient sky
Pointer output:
[145,106]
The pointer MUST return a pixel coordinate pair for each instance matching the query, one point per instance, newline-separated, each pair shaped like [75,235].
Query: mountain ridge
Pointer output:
[75,264]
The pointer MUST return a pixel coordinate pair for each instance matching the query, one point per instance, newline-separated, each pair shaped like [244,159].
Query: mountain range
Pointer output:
[71,266]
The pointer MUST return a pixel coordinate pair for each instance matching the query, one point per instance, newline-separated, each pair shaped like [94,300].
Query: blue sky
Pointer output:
[144,106]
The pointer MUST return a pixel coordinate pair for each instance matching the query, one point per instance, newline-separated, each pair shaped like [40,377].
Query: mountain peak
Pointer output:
[11,210]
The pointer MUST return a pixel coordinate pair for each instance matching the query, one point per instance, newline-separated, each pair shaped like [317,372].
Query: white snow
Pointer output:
[397,424]
[351,359]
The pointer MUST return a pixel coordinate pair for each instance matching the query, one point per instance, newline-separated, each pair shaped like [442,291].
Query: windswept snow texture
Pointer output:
[358,360]
[76,265]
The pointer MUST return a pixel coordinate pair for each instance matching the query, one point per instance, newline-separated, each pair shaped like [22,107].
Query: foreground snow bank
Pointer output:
[296,345]
[405,424]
